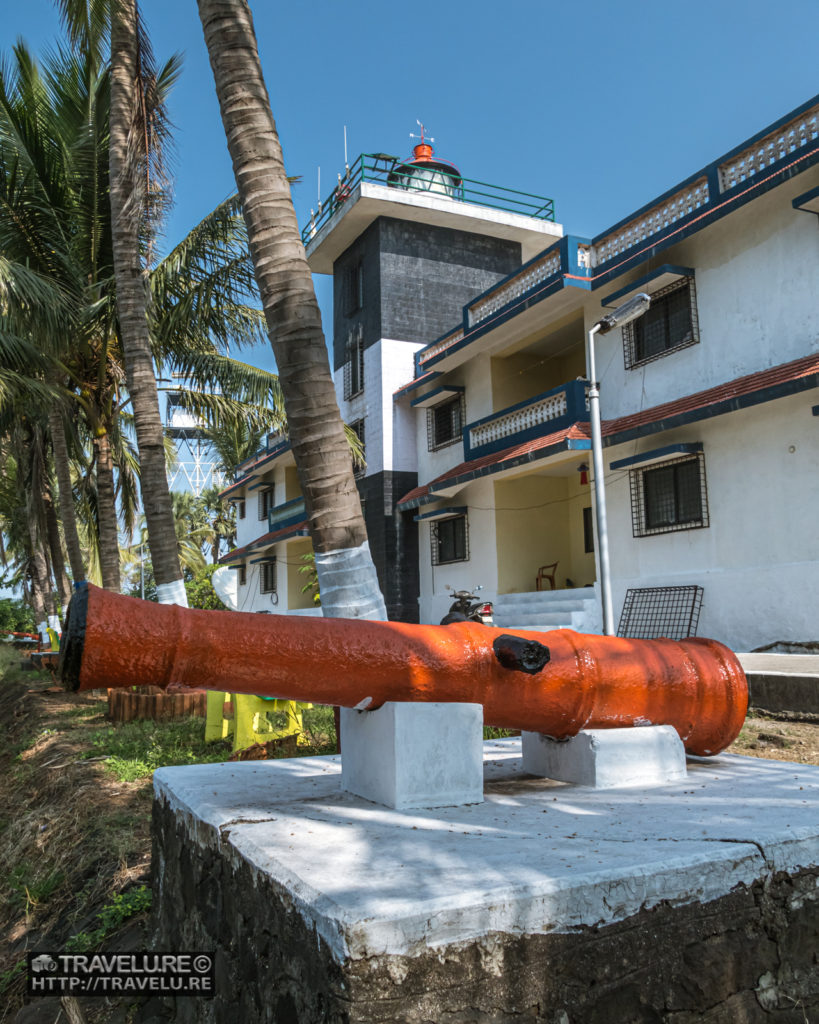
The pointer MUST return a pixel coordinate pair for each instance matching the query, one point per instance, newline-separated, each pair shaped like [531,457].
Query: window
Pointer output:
[588,531]
[358,429]
[444,423]
[354,366]
[668,497]
[267,577]
[240,508]
[265,502]
[242,574]
[450,540]
[354,289]
[669,323]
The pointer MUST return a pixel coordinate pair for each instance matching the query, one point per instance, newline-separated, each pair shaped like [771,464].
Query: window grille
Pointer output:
[358,429]
[265,502]
[445,423]
[354,366]
[242,574]
[670,323]
[450,540]
[668,497]
[240,505]
[651,612]
[267,577]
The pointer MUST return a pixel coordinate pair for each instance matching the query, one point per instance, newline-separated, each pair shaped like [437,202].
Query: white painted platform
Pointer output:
[536,856]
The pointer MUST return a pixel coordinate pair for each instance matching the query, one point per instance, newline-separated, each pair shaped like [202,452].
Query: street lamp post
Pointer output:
[618,318]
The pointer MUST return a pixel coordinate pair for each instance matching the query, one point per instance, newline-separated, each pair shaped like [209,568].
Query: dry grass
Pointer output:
[778,739]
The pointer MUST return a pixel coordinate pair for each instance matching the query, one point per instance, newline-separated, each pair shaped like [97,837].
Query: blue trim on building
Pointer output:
[428,378]
[812,195]
[769,394]
[566,445]
[666,268]
[658,453]
[575,412]
[441,513]
[446,389]
[296,515]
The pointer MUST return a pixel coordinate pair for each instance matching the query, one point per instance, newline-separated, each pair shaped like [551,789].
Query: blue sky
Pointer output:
[600,106]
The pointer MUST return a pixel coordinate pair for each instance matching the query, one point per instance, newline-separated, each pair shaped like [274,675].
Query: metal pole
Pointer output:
[599,490]
[142,571]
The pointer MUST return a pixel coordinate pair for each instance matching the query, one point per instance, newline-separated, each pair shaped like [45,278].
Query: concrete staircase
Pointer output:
[550,609]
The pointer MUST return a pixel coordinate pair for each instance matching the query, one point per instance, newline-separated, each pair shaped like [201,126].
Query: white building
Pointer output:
[708,401]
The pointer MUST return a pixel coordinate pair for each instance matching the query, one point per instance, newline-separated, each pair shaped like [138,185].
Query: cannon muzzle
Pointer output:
[555,683]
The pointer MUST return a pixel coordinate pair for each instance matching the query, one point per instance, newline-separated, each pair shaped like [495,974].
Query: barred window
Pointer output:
[450,540]
[354,365]
[358,429]
[670,323]
[265,502]
[242,574]
[669,497]
[240,506]
[445,422]
[267,577]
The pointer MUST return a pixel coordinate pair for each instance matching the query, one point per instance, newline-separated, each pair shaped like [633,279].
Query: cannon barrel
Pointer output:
[556,683]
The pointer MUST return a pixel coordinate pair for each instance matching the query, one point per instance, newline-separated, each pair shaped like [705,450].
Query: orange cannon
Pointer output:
[555,683]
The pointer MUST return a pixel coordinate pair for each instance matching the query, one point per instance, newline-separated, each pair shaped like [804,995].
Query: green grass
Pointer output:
[116,912]
[134,750]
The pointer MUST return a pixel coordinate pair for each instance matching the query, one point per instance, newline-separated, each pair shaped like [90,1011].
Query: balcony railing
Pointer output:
[286,514]
[536,417]
[385,170]
[533,274]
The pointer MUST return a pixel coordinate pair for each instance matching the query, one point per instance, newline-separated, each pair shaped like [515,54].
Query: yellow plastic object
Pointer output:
[217,726]
[54,637]
[251,725]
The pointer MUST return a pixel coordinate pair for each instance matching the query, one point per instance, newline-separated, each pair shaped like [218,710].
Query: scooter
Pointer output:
[468,607]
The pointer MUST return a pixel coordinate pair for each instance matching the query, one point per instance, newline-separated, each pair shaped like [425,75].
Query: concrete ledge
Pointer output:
[411,755]
[783,682]
[608,758]
[546,903]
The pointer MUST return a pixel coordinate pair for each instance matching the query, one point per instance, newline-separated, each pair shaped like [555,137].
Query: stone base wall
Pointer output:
[749,956]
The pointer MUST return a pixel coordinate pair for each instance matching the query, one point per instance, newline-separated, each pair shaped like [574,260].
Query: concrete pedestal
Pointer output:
[407,755]
[695,901]
[608,758]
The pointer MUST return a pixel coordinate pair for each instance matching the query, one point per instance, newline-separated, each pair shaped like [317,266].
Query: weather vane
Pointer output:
[423,137]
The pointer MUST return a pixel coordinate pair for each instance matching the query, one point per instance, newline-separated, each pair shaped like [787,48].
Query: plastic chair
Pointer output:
[546,572]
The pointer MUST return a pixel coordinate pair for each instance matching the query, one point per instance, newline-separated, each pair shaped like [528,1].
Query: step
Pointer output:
[533,620]
[540,608]
[548,596]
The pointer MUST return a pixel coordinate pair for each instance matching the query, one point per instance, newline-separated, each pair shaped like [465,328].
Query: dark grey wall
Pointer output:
[393,538]
[417,279]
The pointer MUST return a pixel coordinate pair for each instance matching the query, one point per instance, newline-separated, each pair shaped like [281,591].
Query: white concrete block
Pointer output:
[608,758]
[408,755]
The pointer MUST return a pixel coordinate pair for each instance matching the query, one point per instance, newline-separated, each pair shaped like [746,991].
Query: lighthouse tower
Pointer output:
[409,243]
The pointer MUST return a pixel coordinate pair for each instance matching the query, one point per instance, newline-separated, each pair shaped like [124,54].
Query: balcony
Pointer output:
[537,417]
[287,514]
[380,169]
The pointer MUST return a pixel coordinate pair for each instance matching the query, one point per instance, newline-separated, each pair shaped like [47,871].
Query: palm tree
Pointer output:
[59,285]
[137,126]
[347,576]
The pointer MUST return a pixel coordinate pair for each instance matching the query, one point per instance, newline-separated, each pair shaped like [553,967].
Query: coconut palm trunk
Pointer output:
[107,513]
[126,190]
[56,549]
[65,494]
[349,586]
